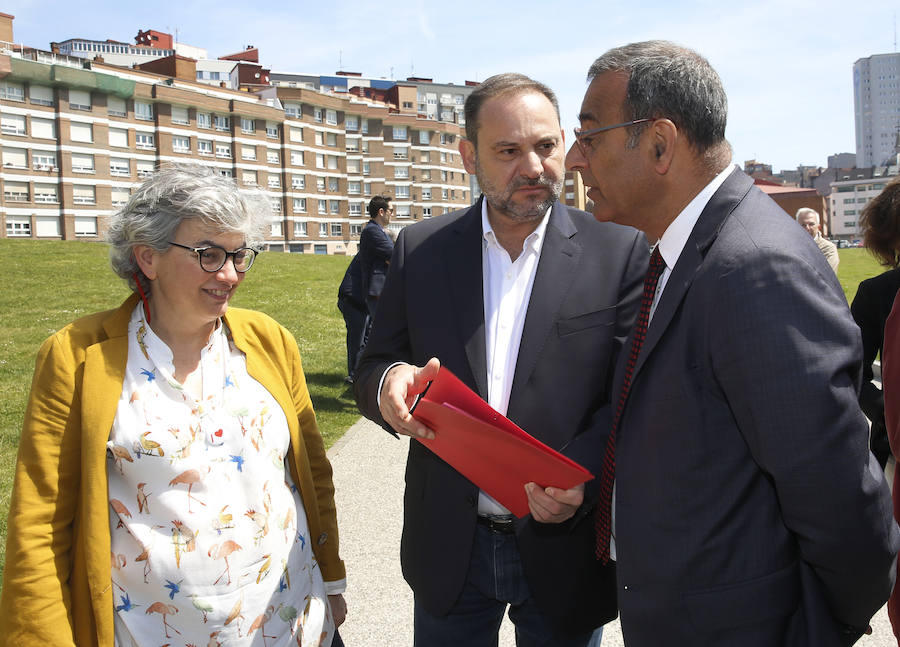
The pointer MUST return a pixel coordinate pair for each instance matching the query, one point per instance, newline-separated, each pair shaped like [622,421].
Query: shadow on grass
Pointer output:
[328,380]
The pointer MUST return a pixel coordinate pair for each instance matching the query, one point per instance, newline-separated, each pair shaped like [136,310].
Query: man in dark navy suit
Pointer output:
[375,248]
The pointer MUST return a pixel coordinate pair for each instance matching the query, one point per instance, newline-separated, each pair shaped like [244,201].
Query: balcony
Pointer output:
[15,196]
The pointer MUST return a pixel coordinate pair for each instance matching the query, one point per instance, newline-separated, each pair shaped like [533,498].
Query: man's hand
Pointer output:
[398,394]
[552,505]
[338,609]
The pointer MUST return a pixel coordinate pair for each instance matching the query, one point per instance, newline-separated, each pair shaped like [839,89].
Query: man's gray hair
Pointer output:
[671,82]
[806,211]
[176,193]
[495,86]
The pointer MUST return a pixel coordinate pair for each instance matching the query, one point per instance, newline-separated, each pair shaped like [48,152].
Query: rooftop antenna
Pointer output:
[392,72]
[412,66]
[341,59]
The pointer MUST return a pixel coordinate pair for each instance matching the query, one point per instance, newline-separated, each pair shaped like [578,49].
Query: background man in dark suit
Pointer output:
[528,302]
[352,304]
[748,509]
[375,247]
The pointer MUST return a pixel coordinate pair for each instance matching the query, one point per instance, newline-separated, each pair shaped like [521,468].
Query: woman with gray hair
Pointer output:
[171,482]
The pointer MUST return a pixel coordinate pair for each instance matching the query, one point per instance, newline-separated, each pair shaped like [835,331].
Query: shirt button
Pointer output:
[322,538]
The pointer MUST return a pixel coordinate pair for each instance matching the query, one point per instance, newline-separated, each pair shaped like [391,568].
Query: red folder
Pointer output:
[488,448]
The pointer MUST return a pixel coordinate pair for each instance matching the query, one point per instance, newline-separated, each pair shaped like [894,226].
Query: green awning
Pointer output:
[70,77]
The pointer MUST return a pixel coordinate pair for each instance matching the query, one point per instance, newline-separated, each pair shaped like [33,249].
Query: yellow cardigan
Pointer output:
[57,587]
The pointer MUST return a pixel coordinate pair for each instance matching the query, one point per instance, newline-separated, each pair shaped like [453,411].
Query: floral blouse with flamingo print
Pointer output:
[209,535]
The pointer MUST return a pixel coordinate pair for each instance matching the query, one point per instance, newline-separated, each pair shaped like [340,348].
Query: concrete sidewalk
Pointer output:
[368,476]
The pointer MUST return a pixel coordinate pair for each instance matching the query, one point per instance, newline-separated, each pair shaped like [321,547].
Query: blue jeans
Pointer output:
[494,580]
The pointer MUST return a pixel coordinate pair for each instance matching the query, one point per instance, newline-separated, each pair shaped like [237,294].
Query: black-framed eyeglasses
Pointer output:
[212,258]
[583,137]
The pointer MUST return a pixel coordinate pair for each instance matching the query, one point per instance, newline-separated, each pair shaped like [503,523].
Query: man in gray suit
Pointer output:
[747,508]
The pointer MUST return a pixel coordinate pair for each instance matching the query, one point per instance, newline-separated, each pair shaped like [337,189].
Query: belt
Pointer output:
[502,525]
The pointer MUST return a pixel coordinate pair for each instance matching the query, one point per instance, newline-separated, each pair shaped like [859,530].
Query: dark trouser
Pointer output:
[355,321]
[494,580]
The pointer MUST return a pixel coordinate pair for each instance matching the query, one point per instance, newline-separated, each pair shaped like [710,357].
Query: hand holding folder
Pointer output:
[487,447]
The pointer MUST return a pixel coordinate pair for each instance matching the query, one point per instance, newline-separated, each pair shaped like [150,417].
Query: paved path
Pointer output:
[368,476]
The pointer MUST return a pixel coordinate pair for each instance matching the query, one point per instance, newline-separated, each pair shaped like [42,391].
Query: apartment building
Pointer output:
[876,106]
[78,135]
[848,197]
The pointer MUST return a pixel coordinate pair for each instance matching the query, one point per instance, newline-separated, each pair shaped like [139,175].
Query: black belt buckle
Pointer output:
[503,525]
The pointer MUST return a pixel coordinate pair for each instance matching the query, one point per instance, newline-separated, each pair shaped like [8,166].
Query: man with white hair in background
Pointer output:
[809,220]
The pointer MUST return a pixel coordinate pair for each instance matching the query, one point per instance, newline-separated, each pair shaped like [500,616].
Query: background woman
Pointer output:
[171,484]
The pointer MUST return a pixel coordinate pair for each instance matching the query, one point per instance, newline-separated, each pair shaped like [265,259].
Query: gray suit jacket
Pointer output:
[582,305]
[749,510]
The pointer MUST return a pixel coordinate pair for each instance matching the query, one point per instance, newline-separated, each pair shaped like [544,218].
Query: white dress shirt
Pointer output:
[506,290]
[670,247]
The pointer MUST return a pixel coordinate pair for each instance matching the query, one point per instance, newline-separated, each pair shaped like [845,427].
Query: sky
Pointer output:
[787,65]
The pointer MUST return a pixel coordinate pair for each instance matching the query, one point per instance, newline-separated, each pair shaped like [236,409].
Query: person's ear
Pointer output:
[663,137]
[147,259]
[467,152]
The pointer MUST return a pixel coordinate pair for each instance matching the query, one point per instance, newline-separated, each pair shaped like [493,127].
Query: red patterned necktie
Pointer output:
[603,519]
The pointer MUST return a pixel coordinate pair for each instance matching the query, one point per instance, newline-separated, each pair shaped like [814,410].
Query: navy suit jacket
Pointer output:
[585,295]
[375,248]
[749,510]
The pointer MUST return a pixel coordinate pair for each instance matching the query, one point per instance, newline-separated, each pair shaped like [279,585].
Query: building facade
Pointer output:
[876,103]
[848,197]
[78,136]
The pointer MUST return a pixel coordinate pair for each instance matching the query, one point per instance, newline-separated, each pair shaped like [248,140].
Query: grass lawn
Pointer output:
[46,284]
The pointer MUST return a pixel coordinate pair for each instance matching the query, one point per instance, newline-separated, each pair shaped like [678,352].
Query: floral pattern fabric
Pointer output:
[209,536]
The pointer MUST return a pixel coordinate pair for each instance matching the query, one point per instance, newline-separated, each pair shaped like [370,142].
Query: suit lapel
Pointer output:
[556,269]
[705,232]
[462,261]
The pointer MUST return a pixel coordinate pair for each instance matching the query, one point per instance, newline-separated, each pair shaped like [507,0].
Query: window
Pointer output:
[248,152]
[407,104]
[443,194]
[331,139]
[47,226]
[426,193]
[323,230]
[424,136]
[333,184]
[223,149]
[274,181]
[42,128]
[15,158]
[15,191]
[352,167]
[180,116]
[332,162]
[399,132]
[401,172]
[320,184]
[355,210]
[85,225]
[47,193]
[225,172]
[443,176]
[300,228]
[119,166]
[401,153]
[443,157]
[402,211]
[366,168]
[12,91]
[118,137]
[145,140]
[322,206]
[319,139]
[354,188]
[275,203]
[43,96]
[43,160]
[221,122]
[272,157]
[247,126]
[79,100]
[426,212]
[320,160]
[204,146]
[446,139]
[298,181]
[367,188]
[426,174]
[119,196]
[292,110]
[83,194]
[82,163]
[401,191]
[271,130]
[296,134]
[204,120]
[181,144]
[425,157]
[364,126]
[249,178]
[81,132]
[331,117]
[296,158]
[300,205]
[352,145]
[351,122]
[317,115]
[145,168]
[18,226]
[365,146]
[336,229]
[143,110]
